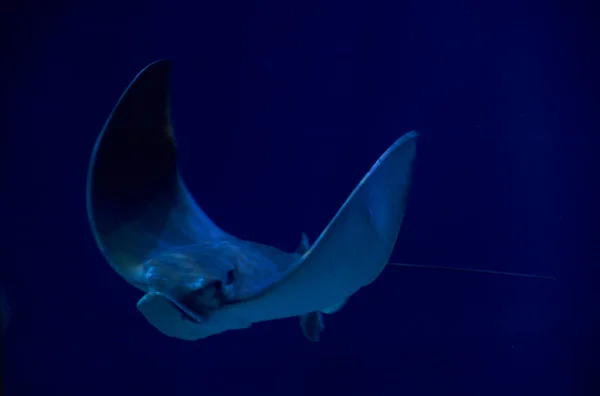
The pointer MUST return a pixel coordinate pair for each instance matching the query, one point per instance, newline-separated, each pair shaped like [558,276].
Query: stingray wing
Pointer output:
[353,249]
[136,200]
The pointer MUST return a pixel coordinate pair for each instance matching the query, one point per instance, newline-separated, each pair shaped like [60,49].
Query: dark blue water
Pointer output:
[280,107]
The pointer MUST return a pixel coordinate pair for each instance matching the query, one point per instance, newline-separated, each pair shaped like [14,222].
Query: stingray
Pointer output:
[199,280]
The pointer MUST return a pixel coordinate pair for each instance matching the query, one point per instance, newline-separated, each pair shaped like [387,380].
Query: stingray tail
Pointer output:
[480,271]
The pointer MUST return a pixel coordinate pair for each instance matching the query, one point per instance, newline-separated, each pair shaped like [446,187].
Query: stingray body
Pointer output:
[199,280]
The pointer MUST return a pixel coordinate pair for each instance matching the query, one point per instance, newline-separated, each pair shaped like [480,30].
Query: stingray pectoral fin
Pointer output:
[334,308]
[355,246]
[136,199]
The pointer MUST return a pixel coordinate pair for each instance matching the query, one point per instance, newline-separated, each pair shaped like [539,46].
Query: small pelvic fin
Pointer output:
[312,325]
[480,271]
[304,245]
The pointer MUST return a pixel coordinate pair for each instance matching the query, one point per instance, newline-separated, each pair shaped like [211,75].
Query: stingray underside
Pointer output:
[136,200]
[138,207]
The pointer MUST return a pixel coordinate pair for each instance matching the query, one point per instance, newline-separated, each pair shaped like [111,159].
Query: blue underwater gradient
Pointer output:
[280,108]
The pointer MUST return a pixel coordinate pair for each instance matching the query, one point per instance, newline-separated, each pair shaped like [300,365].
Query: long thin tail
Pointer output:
[480,271]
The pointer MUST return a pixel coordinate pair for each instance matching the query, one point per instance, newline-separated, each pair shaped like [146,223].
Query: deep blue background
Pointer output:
[280,107]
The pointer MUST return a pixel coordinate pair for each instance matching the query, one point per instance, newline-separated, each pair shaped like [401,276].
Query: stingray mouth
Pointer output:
[198,305]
